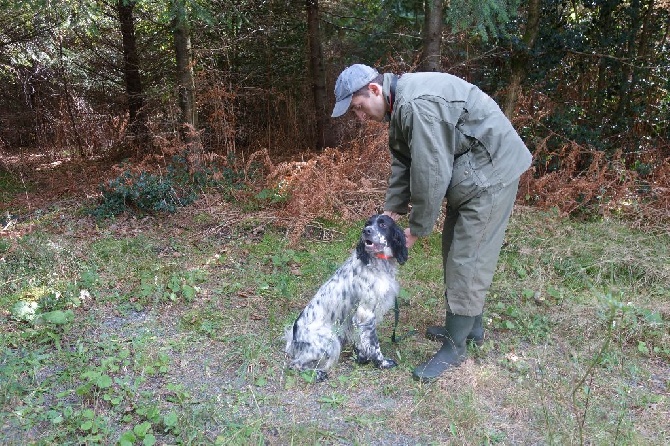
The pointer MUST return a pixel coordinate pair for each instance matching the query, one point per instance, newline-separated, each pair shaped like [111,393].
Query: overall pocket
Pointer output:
[470,175]
[463,185]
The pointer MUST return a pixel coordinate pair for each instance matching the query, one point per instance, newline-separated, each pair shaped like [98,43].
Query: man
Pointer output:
[447,139]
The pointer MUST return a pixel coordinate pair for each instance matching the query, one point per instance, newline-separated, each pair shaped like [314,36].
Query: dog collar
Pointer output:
[381,255]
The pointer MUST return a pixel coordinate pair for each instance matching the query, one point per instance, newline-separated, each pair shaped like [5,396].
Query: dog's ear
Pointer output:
[361,253]
[399,244]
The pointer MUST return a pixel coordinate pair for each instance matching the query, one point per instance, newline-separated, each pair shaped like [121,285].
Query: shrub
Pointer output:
[145,192]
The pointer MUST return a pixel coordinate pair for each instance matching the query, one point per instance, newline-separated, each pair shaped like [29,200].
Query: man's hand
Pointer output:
[394,215]
[410,239]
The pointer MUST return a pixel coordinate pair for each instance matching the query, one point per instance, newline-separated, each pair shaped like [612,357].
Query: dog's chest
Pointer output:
[378,280]
[354,283]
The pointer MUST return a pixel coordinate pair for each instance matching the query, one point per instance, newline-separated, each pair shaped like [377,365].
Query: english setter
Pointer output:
[350,305]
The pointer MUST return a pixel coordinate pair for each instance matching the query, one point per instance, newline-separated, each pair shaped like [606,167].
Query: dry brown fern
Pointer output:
[345,183]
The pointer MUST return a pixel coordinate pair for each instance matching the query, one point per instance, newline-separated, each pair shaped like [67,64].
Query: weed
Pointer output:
[240,433]
[166,286]
[333,401]
[522,320]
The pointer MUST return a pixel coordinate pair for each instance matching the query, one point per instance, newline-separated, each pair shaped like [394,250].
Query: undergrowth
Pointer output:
[170,332]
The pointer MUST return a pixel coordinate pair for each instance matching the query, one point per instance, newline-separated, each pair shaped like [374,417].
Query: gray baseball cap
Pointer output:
[348,82]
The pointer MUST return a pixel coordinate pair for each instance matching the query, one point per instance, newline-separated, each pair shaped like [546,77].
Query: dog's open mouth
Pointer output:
[372,246]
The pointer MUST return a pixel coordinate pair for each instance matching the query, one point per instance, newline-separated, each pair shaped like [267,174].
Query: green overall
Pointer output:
[449,139]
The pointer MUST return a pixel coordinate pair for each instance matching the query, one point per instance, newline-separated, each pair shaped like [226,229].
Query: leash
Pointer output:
[396,339]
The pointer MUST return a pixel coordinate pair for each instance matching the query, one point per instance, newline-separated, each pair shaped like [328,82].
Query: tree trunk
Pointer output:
[432,36]
[188,128]
[635,49]
[521,57]
[137,119]
[68,101]
[317,73]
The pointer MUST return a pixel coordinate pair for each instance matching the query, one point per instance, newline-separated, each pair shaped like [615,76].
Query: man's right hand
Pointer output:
[394,215]
[410,239]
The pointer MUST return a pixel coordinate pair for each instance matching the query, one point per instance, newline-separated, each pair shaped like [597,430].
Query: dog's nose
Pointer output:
[367,230]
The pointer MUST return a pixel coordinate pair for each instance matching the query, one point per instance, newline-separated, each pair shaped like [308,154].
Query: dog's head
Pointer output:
[382,238]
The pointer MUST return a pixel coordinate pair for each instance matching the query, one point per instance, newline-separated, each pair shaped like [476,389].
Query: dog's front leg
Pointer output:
[367,342]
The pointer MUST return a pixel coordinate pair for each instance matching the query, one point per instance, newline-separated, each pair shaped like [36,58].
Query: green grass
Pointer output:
[168,330]
[12,185]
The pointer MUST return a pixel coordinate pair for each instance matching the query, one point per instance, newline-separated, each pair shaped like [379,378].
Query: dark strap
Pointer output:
[394,82]
[395,339]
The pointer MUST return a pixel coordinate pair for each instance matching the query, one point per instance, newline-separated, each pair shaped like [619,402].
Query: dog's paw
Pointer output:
[314,375]
[362,360]
[387,363]
[320,376]
[360,357]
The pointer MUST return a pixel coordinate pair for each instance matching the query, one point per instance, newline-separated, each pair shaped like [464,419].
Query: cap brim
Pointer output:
[341,107]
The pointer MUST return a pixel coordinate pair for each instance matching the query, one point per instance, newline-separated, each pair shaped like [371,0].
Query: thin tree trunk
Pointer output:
[317,74]
[521,59]
[68,101]
[432,36]
[625,80]
[137,125]
[638,48]
[186,84]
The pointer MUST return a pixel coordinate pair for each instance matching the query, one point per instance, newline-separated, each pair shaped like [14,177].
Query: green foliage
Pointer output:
[534,327]
[10,185]
[642,328]
[166,286]
[333,400]
[363,30]
[485,18]
[143,192]
[151,193]
[616,103]
[46,319]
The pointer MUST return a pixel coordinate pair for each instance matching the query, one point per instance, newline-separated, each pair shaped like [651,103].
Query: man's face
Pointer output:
[369,106]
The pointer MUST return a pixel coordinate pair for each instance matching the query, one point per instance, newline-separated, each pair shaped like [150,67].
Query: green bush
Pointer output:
[150,193]
[143,192]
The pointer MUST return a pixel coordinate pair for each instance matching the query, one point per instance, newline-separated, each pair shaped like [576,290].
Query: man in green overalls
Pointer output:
[447,139]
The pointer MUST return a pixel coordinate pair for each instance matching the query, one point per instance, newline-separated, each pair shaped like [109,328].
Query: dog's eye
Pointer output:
[382,224]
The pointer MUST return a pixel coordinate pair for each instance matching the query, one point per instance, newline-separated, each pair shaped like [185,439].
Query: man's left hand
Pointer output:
[410,239]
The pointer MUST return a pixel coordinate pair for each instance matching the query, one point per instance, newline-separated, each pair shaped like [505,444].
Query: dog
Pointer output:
[350,305]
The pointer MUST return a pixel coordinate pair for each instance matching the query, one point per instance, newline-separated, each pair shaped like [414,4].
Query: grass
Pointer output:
[11,185]
[168,330]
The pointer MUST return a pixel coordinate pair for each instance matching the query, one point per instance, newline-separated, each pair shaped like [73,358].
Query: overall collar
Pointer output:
[388,90]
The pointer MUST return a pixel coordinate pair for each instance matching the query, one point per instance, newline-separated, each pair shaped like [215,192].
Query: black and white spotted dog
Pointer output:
[350,305]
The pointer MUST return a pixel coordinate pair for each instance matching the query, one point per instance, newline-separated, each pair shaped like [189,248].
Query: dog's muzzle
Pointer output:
[373,241]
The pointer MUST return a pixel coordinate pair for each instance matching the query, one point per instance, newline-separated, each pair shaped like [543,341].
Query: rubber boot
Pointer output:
[453,349]
[476,336]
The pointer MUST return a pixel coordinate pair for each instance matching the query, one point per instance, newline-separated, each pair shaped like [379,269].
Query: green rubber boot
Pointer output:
[476,336]
[453,349]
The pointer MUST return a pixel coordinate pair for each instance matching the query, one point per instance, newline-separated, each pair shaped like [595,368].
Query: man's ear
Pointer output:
[375,88]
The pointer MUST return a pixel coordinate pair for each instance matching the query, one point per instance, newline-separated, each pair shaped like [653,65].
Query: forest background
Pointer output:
[585,83]
[173,190]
